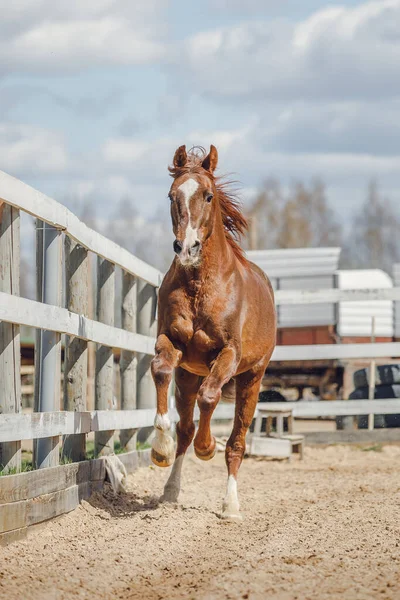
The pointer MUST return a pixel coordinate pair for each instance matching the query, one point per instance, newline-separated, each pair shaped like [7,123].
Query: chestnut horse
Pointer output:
[216,321]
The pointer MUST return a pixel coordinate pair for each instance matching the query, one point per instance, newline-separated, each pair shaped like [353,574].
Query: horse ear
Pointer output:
[211,160]
[180,157]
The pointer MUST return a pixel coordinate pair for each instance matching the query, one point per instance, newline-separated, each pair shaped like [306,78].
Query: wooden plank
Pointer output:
[13,516]
[333,296]
[76,350]
[49,506]
[46,452]
[42,425]
[22,196]
[355,436]
[128,360]
[38,333]
[104,378]
[30,426]
[36,425]
[270,447]
[43,316]
[336,351]
[101,420]
[337,407]
[97,469]
[146,324]
[28,485]
[10,351]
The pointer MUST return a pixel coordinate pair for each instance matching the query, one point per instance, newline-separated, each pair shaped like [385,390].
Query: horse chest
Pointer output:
[203,341]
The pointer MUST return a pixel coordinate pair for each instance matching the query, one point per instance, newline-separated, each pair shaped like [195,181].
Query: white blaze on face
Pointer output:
[188,189]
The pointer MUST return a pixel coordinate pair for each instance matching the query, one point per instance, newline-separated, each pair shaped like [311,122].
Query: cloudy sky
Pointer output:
[96,95]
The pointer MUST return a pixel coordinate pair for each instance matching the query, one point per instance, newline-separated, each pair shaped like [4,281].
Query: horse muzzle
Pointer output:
[188,255]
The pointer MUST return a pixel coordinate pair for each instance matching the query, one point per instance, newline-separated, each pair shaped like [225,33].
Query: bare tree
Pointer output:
[307,219]
[150,240]
[373,241]
[302,218]
[264,216]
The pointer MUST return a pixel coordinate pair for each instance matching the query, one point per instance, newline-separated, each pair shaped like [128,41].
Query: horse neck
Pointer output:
[216,250]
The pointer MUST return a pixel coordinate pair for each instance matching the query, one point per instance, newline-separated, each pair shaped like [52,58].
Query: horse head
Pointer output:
[193,202]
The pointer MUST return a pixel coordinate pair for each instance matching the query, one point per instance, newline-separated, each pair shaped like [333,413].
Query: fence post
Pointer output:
[48,355]
[10,352]
[76,350]
[128,360]
[104,378]
[147,325]
[372,372]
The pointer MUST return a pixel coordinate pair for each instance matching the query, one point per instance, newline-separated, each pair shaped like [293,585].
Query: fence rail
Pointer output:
[22,311]
[333,296]
[23,197]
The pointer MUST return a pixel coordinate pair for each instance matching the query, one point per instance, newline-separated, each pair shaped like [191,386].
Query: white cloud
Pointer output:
[30,149]
[239,5]
[142,160]
[42,35]
[338,52]
[349,127]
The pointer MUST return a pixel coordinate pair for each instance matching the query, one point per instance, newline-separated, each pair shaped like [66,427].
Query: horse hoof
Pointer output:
[160,460]
[170,496]
[162,449]
[209,453]
[231,516]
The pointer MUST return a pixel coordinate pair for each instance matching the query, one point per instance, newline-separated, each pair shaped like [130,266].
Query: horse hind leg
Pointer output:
[186,388]
[247,390]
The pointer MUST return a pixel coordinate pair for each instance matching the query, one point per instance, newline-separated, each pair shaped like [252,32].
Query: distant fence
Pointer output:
[63,244]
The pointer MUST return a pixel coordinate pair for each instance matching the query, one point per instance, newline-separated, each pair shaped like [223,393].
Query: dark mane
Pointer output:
[235,223]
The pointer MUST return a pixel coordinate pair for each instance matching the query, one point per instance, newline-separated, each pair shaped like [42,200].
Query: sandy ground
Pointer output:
[327,528]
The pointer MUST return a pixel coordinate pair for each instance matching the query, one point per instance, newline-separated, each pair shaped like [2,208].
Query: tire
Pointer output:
[381,392]
[384,375]
[392,421]
[271,396]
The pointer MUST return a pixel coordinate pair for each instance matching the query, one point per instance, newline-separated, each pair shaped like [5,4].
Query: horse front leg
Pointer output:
[186,388]
[247,391]
[166,359]
[222,371]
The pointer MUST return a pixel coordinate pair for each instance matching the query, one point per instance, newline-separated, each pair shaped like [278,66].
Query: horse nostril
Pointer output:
[177,246]
[195,249]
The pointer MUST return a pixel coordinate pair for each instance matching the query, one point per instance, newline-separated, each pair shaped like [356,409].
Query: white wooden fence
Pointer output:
[64,240]
[62,246]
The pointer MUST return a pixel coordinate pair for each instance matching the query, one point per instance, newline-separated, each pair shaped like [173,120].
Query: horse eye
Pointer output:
[209,197]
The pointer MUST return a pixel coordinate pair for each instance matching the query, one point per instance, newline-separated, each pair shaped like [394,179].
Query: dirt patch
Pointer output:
[326,528]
